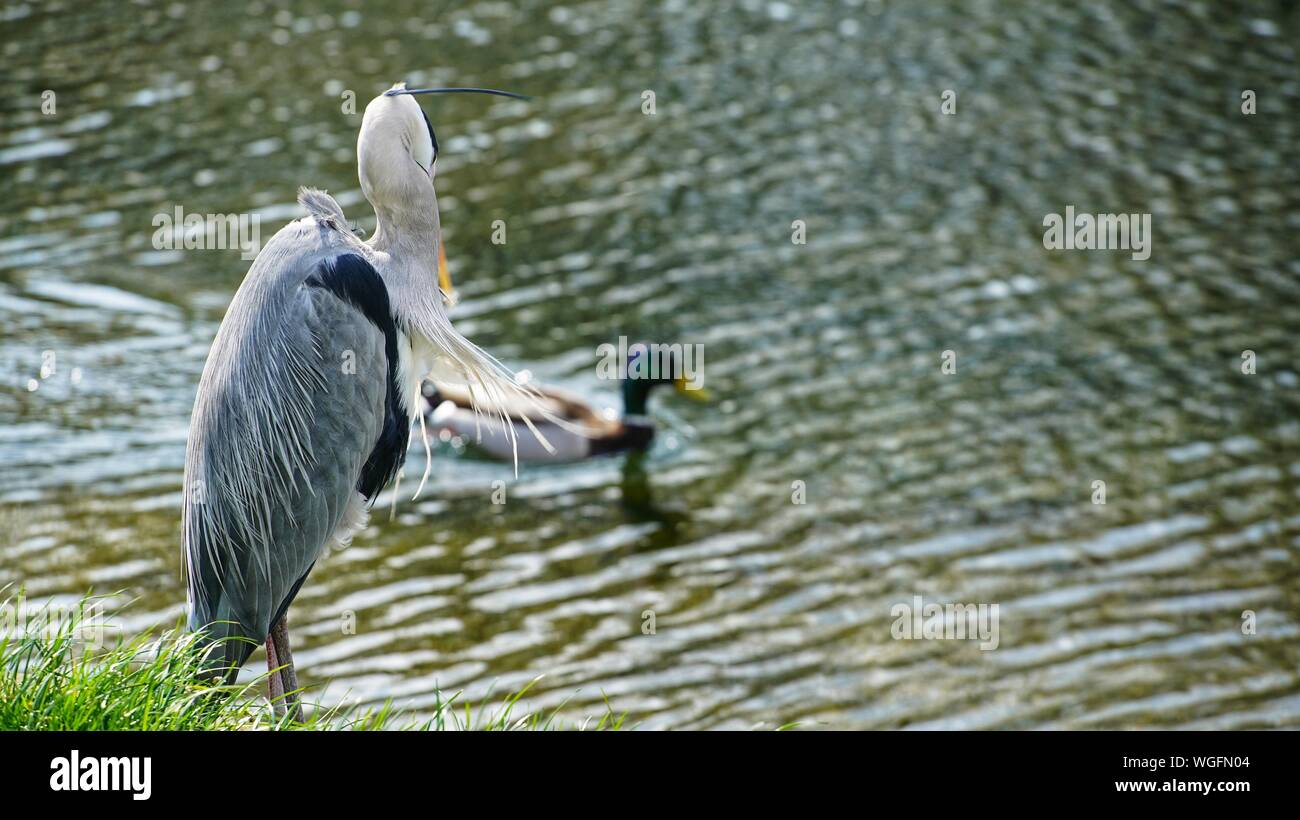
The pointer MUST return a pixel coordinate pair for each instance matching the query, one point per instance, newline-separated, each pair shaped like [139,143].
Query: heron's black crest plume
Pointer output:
[394,92]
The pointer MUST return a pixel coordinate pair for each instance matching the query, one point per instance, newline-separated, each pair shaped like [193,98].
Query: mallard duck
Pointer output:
[589,433]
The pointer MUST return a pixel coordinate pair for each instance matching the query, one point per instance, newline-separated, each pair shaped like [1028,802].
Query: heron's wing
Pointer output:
[295,424]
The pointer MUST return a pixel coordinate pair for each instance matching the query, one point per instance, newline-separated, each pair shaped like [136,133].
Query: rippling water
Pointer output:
[924,234]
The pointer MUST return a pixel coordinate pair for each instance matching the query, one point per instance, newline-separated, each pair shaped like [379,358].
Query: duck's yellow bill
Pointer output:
[693,393]
[444,277]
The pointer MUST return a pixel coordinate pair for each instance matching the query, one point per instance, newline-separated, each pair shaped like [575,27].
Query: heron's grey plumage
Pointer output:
[279,433]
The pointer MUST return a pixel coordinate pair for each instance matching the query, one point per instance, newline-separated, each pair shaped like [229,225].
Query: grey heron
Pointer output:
[307,399]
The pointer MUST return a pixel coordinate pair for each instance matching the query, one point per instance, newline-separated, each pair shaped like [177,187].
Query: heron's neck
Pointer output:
[410,236]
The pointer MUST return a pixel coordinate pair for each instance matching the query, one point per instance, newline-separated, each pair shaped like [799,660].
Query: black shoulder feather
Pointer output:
[354,280]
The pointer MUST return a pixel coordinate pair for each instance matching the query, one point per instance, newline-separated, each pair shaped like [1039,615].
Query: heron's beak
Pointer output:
[444,278]
[694,393]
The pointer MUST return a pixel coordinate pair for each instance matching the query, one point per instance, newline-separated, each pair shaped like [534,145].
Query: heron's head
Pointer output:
[397,160]
[397,151]
[397,154]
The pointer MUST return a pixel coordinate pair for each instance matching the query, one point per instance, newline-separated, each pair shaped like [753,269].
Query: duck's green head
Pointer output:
[654,365]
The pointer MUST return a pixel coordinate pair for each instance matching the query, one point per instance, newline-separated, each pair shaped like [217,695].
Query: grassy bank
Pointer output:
[58,671]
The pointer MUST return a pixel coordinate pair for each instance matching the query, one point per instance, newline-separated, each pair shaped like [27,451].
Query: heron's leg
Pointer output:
[279,640]
[274,683]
